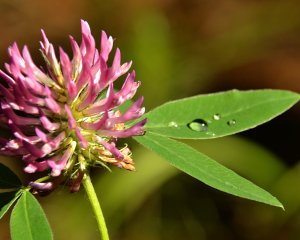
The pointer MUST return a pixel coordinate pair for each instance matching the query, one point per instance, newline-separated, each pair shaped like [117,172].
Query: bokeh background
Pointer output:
[181,48]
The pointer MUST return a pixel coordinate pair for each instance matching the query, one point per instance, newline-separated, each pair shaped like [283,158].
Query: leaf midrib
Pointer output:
[212,176]
[225,115]
[27,216]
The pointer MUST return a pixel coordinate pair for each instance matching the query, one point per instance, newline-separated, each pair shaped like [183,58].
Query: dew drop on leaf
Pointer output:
[231,122]
[217,116]
[211,134]
[173,124]
[198,125]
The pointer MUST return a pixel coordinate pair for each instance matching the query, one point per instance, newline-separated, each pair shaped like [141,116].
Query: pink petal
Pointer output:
[43,136]
[67,72]
[36,166]
[55,142]
[77,59]
[84,76]
[58,166]
[111,147]
[88,42]
[106,46]
[135,130]
[71,121]
[47,124]
[7,78]
[96,125]
[19,135]
[51,103]
[82,141]
[35,151]
[132,113]
[128,89]
[7,94]
[102,105]
[41,186]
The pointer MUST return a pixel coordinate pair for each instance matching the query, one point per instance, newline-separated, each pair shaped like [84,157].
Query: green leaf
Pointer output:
[7,199]
[218,114]
[28,220]
[8,179]
[205,169]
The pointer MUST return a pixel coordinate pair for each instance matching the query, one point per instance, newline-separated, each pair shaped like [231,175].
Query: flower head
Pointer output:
[66,118]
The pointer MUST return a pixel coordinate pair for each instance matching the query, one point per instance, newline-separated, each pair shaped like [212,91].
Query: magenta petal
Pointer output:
[96,125]
[132,113]
[19,135]
[125,67]
[54,143]
[90,95]
[7,94]
[82,141]
[43,136]
[11,147]
[30,168]
[51,103]
[36,166]
[54,110]
[21,105]
[58,166]
[45,44]
[65,65]
[41,186]
[34,86]
[106,46]
[84,76]
[17,59]
[49,53]
[27,95]
[18,120]
[88,42]
[117,61]
[7,78]
[67,72]
[13,144]
[135,130]
[47,124]
[71,121]
[32,70]
[102,106]
[35,151]
[128,89]
[111,147]
[76,53]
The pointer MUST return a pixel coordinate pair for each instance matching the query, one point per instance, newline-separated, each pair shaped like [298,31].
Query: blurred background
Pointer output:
[181,48]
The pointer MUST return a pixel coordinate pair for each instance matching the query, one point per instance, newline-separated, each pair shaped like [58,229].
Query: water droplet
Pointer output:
[217,116]
[231,122]
[198,125]
[173,124]
[211,134]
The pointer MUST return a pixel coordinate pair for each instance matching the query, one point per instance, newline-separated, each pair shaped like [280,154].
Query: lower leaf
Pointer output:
[208,171]
[28,220]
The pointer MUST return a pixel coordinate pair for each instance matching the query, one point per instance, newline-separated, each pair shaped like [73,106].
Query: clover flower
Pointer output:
[66,118]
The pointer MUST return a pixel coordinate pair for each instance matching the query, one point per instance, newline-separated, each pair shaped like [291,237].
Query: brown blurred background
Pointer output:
[181,48]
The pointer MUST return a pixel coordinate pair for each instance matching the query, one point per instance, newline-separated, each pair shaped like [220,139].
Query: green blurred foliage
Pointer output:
[181,48]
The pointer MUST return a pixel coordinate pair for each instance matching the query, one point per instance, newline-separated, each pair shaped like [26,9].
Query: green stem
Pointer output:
[89,188]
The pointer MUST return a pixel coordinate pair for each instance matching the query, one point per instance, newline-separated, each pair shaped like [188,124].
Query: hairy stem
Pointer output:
[92,196]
